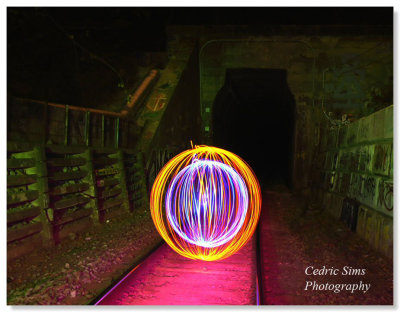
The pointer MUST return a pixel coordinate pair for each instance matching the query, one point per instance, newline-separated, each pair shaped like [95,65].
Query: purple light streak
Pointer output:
[206,203]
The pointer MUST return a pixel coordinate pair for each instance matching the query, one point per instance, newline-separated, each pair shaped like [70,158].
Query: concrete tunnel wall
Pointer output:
[366,91]
[355,172]
[341,85]
[357,73]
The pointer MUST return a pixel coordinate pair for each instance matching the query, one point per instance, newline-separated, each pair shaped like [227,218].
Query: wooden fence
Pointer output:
[68,170]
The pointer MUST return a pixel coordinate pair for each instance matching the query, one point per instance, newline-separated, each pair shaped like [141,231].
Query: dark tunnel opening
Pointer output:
[254,117]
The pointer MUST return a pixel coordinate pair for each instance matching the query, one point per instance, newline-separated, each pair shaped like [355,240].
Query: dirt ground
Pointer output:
[295,233]
[298,233]
[79,269]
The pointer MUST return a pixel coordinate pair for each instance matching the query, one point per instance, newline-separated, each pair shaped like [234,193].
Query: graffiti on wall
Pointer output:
[344,160]
[365,158]
[353,159]
[381,158]
[356,186]
[344,183]
[328,179]
[369,188]
[385,194]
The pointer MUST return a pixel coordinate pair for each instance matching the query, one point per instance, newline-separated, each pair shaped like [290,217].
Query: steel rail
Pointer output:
[140,260]
[136,263]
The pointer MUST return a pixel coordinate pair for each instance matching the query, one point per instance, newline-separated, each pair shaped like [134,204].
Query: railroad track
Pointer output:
[163,277]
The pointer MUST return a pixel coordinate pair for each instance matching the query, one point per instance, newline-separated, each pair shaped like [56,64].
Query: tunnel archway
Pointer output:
[254,117]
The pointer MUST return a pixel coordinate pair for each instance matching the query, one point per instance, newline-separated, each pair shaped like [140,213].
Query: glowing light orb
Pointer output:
[205,203]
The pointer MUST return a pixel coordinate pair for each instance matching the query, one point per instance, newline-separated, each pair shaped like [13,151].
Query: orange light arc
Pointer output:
[244,190]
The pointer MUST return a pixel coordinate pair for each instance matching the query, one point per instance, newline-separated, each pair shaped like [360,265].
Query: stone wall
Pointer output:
[356,162]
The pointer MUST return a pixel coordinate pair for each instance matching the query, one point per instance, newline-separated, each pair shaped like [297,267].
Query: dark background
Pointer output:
[96,56]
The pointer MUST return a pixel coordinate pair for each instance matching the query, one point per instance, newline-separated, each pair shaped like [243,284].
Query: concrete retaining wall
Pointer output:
[356,161]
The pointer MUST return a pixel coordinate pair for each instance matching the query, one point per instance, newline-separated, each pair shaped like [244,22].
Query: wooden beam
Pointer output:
[18,233]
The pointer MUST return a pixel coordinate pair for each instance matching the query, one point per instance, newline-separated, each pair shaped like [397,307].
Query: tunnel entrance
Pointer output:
[253,116]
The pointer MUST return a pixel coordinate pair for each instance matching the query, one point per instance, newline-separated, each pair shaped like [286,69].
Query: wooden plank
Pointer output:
[111,203]
[21,197]
[130,152]
[104,150]
[131,170]
[73,227]
[109,193]
[130,161]
[76,215]
[64,149]
[21,215]
[105,161]
[107,182]
[106,171]
[132,188]
[66,162]
[135,196]
[68,189]
[135,179]
[18,147]
[71,175]
[19,163]
[77,200]
[112,213]
[129,179]
[21,180]
[19,248]
[20,232]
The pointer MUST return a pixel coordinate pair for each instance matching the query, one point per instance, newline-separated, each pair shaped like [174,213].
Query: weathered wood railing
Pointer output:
[56,191]
[68,169]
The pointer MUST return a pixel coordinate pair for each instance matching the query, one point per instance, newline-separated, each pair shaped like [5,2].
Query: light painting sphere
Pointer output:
[213,199]
[205,203]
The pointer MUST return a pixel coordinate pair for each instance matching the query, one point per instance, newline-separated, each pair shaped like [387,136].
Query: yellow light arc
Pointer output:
[166,175]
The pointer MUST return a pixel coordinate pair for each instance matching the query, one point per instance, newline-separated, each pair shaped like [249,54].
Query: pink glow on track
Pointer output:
[166,278]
